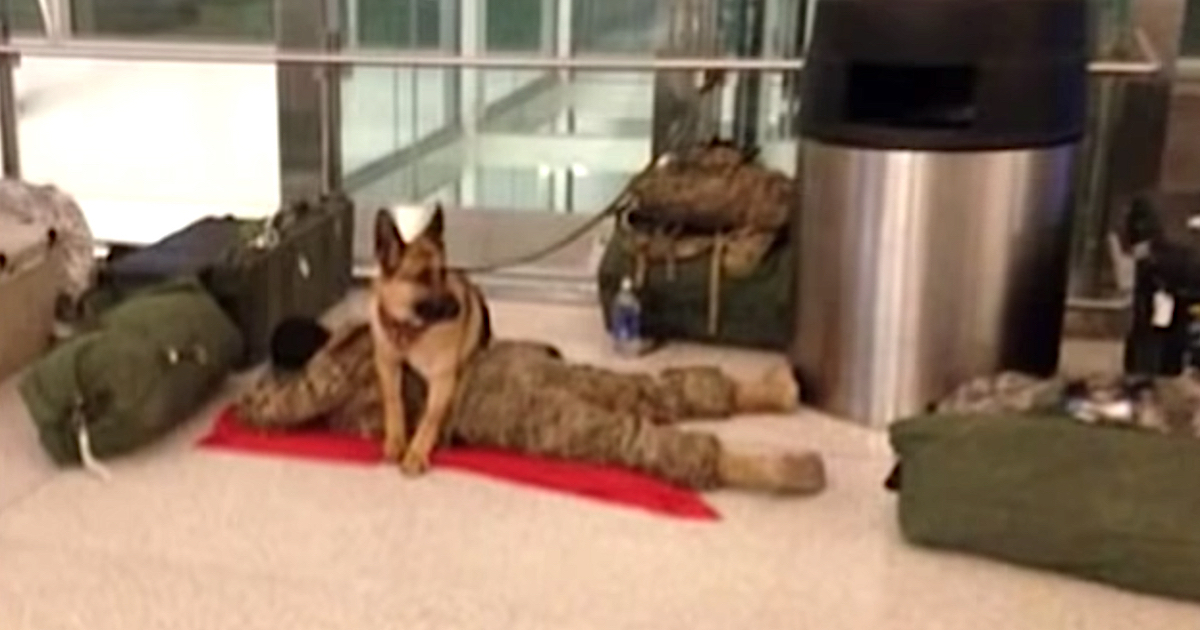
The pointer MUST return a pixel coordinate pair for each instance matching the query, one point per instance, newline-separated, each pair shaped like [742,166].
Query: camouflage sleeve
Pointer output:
[332,379]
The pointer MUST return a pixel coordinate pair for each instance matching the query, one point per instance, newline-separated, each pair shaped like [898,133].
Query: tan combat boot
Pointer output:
[782,473]
[775,391]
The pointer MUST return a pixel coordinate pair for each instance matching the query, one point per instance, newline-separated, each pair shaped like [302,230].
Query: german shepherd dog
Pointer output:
[426,317]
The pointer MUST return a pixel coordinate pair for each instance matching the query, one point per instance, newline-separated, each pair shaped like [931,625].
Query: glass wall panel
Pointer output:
[238,20]
[1189,44]
[402,24]
[24,17]
[1113,37]
[626,27]
[516,25]
[546,165]
[386,111]
[1182,159]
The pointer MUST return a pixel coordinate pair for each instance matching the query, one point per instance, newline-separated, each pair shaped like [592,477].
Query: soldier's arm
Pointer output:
[325,384]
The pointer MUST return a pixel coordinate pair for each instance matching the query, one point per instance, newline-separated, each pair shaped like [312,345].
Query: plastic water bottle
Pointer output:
[627,321]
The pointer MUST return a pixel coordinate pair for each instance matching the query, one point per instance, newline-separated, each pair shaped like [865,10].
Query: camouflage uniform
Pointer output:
[522,396]
[49,206]
[337,387]
[1008,392]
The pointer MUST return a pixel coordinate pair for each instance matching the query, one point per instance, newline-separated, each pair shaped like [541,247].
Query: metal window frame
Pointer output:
[77,48]
[299,49]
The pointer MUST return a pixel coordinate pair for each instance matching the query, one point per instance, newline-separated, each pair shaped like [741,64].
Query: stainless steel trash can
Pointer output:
[938,142]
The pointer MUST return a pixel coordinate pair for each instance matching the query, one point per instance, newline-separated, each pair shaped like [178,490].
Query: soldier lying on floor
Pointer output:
[523,396]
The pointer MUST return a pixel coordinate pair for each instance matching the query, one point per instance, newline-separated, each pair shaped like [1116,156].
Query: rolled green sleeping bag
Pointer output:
[1109,504]
[141,370]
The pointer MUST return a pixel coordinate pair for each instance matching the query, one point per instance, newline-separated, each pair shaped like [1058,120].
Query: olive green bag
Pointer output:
[1110,504]
[141,369]
[702,234]
[683,300]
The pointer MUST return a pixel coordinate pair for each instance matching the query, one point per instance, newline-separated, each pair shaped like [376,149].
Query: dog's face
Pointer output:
[412,286]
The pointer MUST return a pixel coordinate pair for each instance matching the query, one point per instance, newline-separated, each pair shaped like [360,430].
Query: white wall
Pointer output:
[148,147]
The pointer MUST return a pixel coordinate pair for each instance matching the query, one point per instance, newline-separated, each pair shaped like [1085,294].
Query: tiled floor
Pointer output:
[182,538]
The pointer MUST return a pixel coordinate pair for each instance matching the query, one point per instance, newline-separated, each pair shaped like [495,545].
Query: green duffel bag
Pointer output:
[141,369]
[748,303]
[703,236]
[1114,505]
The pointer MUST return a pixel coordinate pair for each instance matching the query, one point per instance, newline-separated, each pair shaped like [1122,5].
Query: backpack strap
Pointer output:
[714,283]
[79,425]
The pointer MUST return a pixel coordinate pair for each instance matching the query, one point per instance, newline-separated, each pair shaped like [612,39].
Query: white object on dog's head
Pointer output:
[411,219]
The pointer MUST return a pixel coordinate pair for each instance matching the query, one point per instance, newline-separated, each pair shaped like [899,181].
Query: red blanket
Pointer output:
[602,483]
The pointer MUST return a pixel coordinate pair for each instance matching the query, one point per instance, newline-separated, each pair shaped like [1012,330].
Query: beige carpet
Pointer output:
[187,539]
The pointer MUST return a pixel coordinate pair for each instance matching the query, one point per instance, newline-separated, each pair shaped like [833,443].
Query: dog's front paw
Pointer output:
[415,464]
[394,448]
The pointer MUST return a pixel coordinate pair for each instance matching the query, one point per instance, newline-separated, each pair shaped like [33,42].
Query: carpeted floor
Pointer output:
[182,538]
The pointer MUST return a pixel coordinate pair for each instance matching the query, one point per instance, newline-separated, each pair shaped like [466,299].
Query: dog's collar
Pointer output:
[400,331]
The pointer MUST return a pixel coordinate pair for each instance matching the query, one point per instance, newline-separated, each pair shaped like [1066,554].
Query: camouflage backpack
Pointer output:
[702,234]
[712,188]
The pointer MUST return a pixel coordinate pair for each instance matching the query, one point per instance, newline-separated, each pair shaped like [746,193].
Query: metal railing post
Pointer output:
[330,79]
[10,151]
[309,85]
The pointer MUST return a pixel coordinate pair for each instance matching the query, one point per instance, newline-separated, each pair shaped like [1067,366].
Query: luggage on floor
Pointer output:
[297,263]
[143,367]
[688,299]
[1162,230]
[31,279]
[703,235]
[300,268]
[1110,504]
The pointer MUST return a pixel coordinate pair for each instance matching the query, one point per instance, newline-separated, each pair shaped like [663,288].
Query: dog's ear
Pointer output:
[437,225]
[389,246]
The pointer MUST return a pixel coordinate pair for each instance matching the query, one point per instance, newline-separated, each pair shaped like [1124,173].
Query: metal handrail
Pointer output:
[265,54]
[1187,69]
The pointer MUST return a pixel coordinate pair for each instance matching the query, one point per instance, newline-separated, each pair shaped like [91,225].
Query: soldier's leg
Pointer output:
[636,393]
[708,392]
[559,424]
[675,394]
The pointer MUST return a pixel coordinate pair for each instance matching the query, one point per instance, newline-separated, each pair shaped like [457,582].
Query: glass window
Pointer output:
[400,23]
[1190,44]
[24,16]
[515,25]
[199,19]
[614,26]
